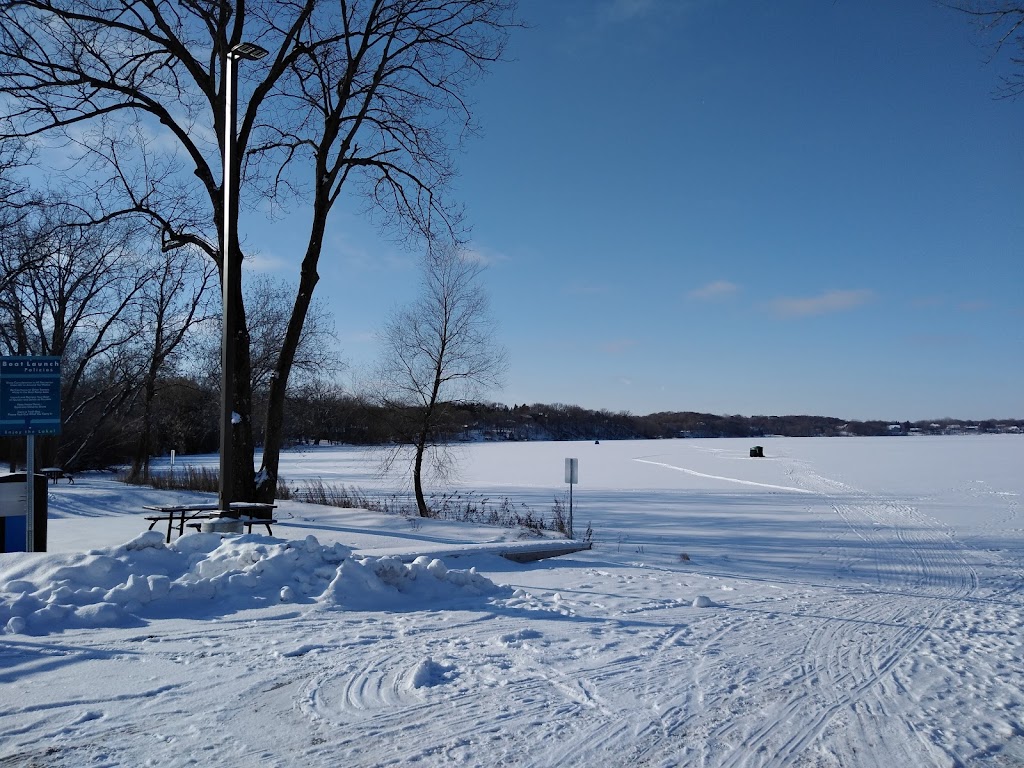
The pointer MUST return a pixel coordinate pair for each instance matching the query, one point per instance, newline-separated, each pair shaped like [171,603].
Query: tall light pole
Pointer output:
[228,279]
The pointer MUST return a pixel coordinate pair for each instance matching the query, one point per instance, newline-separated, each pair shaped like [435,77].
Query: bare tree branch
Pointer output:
[437,352]
[367,98]
[1001,22]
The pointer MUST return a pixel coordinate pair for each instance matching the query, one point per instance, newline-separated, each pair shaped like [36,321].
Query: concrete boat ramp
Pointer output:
[518,551]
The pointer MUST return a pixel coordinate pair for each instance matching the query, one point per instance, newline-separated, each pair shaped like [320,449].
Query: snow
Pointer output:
[840,602]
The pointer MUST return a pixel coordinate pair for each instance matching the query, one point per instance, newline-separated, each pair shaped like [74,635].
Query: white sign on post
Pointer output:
[572,476]
[13,499]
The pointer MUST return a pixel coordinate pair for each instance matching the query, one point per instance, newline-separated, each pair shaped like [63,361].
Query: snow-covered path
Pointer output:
[896,577]
[840,603]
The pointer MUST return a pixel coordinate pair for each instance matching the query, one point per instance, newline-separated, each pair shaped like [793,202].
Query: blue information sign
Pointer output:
[30,396]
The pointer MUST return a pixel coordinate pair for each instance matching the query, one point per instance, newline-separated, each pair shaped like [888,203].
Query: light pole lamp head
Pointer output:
[249,51]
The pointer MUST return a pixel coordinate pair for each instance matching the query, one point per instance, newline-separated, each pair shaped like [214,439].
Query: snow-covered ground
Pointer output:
[841,602]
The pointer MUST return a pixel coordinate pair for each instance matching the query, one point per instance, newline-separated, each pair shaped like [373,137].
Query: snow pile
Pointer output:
[386,583]
[430,674]
[203,573]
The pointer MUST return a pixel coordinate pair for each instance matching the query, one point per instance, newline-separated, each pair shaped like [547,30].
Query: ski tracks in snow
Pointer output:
[881,643]
[856,675]
[836,674]
[856,639]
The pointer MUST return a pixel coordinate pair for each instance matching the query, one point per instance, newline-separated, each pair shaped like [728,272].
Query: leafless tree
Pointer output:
[16,201]
[314,408]
[171,305]
[268,310]
[439,351]
[367,96]
[1001,22]
[74,303]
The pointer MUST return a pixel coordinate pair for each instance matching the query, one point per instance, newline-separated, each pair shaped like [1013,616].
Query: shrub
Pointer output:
[459,506]
[203,479]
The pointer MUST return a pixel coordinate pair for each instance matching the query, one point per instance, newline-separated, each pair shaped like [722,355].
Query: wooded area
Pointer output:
[110,253]
[134,112]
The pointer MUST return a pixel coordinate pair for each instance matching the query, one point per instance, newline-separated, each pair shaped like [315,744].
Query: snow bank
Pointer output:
[386,583]
[146,578]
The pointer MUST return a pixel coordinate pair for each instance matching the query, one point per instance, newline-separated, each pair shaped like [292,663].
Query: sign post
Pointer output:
[30,493]
[30,406]
[572,476]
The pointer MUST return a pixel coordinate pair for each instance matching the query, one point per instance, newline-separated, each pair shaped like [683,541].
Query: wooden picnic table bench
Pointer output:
[56,473]
[181,514]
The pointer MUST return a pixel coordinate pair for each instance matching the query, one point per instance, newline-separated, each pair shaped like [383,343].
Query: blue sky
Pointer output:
[801,206]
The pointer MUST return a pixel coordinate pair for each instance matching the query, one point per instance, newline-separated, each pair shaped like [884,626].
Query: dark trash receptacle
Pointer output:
[13,517]
[757,452]
[251,509]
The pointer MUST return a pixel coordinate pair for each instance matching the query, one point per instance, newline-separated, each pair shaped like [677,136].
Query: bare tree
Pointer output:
[314,408]
[439,351]
[170,306]
[1002,23]
[74,304]
[268,311]
[361,95]
[16,203]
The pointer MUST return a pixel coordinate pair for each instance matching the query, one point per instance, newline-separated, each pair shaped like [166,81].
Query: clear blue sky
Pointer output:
[800,206]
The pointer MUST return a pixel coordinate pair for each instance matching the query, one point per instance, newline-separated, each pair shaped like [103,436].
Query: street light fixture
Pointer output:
[249,51]
[229,329]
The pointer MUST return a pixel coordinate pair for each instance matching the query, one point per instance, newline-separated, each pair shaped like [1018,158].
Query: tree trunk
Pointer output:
[140,464]
[47,447]
[421,449]
[242,444]
[15,451]
[417,480]
[273,433]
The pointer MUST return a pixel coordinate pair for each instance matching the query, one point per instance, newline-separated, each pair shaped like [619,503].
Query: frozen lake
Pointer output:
[840,602]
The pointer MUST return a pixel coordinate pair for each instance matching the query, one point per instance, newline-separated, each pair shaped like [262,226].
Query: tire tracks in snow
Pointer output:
[858,640]
[858,635]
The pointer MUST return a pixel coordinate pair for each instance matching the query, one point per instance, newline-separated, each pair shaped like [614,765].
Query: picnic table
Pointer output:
[56,473]
[180,515]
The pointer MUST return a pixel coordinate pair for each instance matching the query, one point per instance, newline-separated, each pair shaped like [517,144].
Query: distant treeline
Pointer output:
[351,420]
[185,418]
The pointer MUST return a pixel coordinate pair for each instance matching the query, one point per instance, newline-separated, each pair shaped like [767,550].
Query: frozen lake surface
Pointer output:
[840,602]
